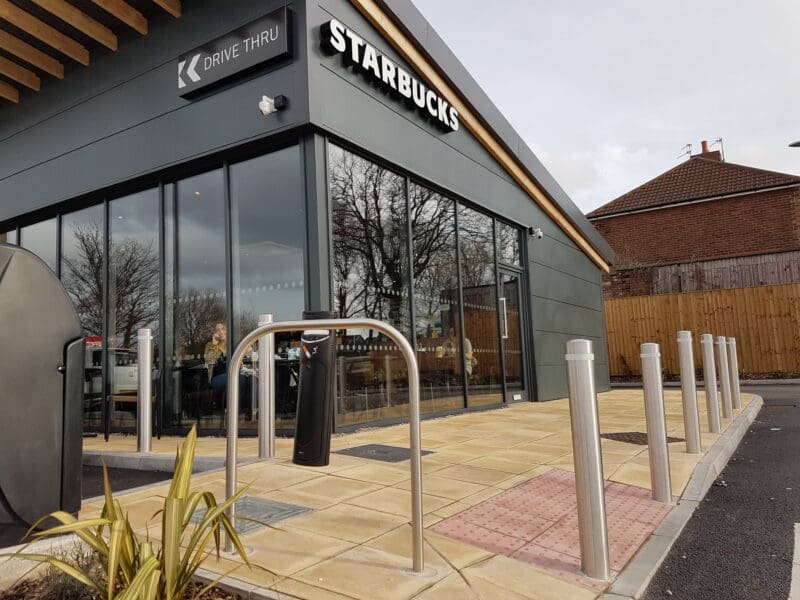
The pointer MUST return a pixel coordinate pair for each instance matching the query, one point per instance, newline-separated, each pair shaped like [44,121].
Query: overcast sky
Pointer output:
[607,93]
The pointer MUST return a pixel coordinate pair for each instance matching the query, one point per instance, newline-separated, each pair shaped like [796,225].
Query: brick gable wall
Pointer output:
[762,223]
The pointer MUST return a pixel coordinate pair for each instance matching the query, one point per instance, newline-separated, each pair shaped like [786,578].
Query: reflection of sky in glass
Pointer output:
[82,261]
[269,235]
[133,221]
[89,220]
[201,233]
[40,238]
[508,250]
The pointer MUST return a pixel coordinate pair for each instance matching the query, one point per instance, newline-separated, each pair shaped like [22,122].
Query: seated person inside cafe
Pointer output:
[217,365]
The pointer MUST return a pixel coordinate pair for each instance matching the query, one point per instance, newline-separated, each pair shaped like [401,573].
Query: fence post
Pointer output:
[724,378]
[733,361]
[691,419]
[266,391]
[710,380]
[588,459]
[144,420]
[656,423]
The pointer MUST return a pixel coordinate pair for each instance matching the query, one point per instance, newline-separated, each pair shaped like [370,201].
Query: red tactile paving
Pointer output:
[536,522]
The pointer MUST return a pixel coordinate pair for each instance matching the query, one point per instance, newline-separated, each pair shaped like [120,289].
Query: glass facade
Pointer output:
[191,259]
[406,254]
[199,258]
[83,274]
[133,297]
[40,238]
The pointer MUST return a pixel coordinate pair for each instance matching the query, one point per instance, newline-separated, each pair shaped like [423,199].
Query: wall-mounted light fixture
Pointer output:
[268,105]
[535,232]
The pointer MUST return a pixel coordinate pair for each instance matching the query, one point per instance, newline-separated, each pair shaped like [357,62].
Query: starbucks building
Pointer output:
[189,166]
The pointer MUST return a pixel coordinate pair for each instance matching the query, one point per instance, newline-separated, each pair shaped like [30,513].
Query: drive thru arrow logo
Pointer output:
[190,71]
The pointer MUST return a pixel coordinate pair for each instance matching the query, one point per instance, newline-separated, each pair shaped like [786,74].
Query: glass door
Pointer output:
[511,335]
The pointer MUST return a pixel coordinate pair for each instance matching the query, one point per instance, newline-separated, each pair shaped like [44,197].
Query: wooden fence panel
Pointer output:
[765,321]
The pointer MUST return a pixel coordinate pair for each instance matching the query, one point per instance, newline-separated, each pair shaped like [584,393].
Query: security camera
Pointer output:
[536,232]
[268,105]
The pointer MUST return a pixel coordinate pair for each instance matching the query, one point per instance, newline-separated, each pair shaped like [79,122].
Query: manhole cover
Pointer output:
[258,509]
[381,452]
[635,437]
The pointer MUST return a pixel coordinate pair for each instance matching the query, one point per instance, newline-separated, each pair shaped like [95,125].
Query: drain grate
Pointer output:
[382,452]
[635,437]
[258,509]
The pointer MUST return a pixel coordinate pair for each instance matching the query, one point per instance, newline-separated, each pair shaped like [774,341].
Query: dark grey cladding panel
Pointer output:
[565,257]
[558,317]
[551,348]
[418,27]
[403,139]
[551,382]
[562,286]
[122,116]
[162,141]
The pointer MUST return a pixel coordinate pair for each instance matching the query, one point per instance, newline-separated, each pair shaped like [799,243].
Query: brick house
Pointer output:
[705,224]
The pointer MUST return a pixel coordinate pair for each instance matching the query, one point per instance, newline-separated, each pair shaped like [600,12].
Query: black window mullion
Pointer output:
[162,313]
[59,242]
[228,273]
[106,371]
[410,258]
[462,329]
[500,317]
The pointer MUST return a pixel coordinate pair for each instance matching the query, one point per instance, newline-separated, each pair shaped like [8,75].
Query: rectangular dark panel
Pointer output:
[256,43]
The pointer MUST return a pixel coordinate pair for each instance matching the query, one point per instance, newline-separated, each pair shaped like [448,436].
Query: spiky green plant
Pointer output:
[134,570]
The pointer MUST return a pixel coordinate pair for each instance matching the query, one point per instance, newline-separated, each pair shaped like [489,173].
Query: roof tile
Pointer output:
[695,179]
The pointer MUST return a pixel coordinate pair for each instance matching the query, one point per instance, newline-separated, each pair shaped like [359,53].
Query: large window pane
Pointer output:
[370,279]
[82,273]
[438,322]
[133,297]
[40,238]
[269,237]
[481,325]
[508,250]
[197,345]
[9,237]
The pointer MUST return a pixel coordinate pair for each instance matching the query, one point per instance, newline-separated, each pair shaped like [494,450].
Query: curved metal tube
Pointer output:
[413,403]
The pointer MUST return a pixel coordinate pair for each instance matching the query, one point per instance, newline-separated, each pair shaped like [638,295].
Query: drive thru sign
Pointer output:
[257,42]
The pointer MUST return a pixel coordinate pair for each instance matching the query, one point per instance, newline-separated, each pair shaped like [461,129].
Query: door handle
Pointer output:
[505,318]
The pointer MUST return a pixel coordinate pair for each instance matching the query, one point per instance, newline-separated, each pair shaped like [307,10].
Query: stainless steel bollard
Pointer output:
[144,420]
[724,378]
[733,362]
[406,350]
[588,459]
[266,391]
[660,481]
[691,419]
[710,380]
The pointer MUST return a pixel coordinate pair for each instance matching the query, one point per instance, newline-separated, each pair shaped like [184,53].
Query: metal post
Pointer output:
[656,423]
[588,460]
[266,392]
[724,378]
[710,380]
[418,560]
[733,361]
[144,421]
[691,419]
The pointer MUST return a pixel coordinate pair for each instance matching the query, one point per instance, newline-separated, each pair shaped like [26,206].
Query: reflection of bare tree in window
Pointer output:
[134,270]
[435,275]
[369,219]
[196,313]
[477,248]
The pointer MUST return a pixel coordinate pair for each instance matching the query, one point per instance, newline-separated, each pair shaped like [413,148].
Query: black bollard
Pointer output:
[315,394]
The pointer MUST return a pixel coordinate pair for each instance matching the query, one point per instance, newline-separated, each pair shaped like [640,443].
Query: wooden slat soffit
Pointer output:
[28,63]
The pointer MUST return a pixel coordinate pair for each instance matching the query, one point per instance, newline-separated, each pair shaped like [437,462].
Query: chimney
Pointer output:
[709,154]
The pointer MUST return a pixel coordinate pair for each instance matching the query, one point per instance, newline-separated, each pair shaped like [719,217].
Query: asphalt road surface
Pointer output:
[740,541]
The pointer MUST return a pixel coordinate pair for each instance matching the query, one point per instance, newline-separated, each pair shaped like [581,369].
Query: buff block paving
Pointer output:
[499,504]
